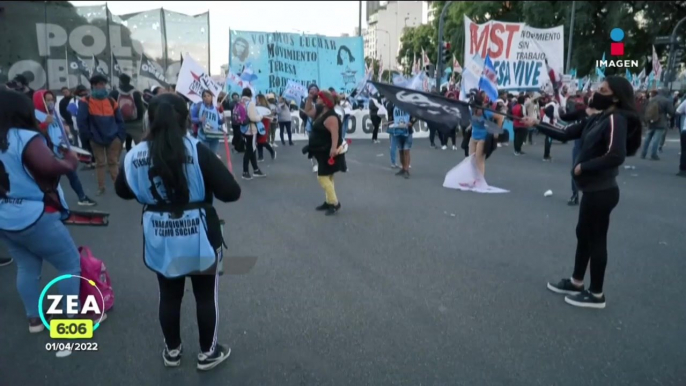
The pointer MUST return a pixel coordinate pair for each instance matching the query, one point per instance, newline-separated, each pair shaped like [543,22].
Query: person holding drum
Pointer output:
[206,116]
[44,101]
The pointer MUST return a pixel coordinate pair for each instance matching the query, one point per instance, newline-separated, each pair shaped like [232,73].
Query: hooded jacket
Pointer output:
[100,121]
[53,132]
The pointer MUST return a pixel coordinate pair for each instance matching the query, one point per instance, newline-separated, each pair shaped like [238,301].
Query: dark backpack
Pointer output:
[653,111]
[127,106]
[239,116]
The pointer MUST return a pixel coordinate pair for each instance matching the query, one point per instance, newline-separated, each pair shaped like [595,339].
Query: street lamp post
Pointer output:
[389,54]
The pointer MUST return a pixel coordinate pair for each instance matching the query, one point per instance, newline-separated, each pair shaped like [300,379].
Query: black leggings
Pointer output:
[591,235]
[287,127]
[171,294]
[519,138]
[451,134]
[250,155]
[376,121]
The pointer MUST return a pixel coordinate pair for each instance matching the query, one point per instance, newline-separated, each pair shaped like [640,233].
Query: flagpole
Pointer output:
[571,34]
[140,64]
[66,60]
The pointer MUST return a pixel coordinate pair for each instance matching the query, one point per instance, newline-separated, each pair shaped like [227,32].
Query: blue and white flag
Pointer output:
[489,80]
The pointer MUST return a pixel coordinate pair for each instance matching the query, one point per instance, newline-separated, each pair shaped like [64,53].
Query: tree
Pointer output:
[415,39]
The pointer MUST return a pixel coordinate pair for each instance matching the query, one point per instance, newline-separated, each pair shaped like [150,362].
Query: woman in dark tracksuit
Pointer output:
[606,139]
[177,178]
[375,118]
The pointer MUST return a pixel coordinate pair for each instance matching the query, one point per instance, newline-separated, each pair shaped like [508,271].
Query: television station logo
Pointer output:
[616,49]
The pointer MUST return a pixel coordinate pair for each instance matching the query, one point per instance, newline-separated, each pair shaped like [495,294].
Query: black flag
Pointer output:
[151,70]
[80,65]
[427,107]
[116,70]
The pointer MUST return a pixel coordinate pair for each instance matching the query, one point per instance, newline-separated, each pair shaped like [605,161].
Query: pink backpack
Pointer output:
[95,270]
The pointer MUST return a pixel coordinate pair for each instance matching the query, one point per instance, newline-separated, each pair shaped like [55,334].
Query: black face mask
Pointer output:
[601,102]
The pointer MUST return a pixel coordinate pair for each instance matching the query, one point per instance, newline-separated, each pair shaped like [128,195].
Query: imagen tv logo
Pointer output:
[616,49]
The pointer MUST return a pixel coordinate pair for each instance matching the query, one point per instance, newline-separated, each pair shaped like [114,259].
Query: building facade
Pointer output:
[385,26]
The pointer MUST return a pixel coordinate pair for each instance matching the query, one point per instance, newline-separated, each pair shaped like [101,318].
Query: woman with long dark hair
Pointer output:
[32,207]
[175,178]
[607,137]
[324,143]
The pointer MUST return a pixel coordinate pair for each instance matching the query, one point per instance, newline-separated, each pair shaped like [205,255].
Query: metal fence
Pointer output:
[46,40]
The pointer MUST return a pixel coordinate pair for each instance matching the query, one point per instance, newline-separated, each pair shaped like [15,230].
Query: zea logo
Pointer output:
[74,322]
[616,49]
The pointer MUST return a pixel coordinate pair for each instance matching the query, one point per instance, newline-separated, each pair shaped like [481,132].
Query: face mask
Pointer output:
[51,106]
[99,93]
[601,102]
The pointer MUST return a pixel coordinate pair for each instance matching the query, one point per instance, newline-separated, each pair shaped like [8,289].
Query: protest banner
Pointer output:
[518,52]
[267,61]
[193,80]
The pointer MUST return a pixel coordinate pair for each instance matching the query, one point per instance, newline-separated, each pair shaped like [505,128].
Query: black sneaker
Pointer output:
[682,173]
[290,143]
[331,210]
[209,361]
[401,172]
[87,202]
[246,176]
[5,261]
[100,192]
[36,324]
[565,286]
[172,358]
[323,206]
[574,200]
[586,300]
[259,174]
[406,174]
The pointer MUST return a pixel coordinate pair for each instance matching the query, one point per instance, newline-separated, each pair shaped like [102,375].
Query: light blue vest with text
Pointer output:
[21,199]
[211,115]
[174,247]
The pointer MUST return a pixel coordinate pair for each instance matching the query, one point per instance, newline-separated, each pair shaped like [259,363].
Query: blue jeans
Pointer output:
[652,141]
[213,144]
[75,183]
[575,153]
[345,126]
[394,149]
[48,239]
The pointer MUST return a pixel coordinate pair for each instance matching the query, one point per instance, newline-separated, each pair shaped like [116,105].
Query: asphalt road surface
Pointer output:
[410,284]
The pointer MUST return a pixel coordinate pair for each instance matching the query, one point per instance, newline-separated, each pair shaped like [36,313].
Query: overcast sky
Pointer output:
[322,17]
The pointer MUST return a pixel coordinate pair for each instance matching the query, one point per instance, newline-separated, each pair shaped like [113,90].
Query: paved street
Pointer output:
[410,284]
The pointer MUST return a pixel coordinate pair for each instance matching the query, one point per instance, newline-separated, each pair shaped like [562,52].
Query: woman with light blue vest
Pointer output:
[32,205]
[209,121]
[175,178]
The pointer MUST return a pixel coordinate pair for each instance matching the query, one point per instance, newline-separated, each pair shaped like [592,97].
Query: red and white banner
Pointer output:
[518,51]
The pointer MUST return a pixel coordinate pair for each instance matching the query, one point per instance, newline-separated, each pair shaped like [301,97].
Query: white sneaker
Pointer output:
[274,145]
[454,147]
[315,168]
[394,166]
[444,147]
